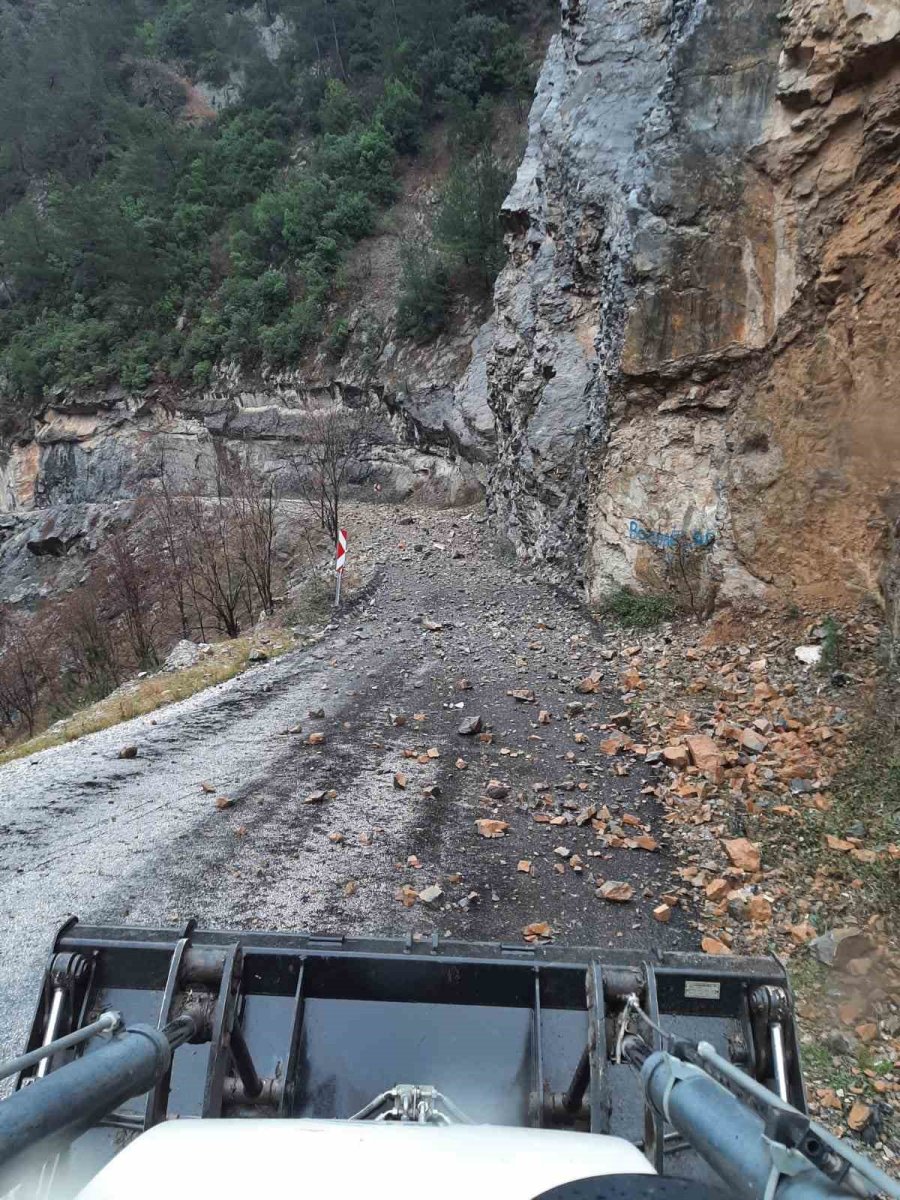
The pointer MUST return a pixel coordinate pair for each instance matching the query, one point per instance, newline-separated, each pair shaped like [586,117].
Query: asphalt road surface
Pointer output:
[142,842]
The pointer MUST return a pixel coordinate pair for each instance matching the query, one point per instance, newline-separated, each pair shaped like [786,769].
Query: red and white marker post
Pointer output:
[339,561]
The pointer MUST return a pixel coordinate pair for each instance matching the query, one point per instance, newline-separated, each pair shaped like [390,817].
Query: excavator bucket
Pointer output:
[287,1025]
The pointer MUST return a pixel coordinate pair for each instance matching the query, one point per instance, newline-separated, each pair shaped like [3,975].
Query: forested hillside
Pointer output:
[180,179]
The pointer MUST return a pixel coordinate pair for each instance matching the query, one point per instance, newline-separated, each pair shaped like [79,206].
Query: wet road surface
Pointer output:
[140,841]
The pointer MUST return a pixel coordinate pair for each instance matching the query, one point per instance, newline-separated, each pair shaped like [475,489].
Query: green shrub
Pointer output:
[832,646]
[424,293]
[636,610]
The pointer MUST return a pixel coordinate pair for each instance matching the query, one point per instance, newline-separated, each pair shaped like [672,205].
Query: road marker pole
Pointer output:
[339,561]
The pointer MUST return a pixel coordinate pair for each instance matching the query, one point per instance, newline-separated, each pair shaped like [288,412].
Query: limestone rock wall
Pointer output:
[694,375]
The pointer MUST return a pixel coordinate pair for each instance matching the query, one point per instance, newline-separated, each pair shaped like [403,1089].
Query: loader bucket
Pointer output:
[300,1025]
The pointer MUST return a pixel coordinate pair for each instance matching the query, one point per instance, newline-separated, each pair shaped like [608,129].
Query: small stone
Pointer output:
[712,945]
[496,789]
[676,756]
[615,891]
[257,655]
[752,741]
[489,828]
[838,946]
[706,756]
[316,739]
[315,797]
[128,752]
[523,866]
[431,894]
[470,727]
[662,913]
[858,1117]
[742,853]
[759,910]
[717,890]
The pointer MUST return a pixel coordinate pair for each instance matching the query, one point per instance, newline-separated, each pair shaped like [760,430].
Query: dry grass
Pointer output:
[155,691]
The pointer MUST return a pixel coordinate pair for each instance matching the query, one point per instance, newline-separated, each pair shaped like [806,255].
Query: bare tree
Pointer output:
[169,529]
[254,503]
[335,451]
[218,575]
[134,590]
[23,676]
[87,638]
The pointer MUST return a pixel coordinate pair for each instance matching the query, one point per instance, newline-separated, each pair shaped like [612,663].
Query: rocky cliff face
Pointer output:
[694,372]
[69,474]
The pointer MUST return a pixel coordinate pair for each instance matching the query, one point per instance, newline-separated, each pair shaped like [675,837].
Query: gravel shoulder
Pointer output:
[142,841]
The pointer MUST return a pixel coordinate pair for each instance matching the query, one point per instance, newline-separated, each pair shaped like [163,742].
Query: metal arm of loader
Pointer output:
[40,1118]
[763,1146]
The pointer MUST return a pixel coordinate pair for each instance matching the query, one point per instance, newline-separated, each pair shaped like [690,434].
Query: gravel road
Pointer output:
[140,841]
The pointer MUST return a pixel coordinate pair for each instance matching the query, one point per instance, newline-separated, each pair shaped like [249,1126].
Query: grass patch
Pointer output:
[636,610]
[868,790]
[146,695]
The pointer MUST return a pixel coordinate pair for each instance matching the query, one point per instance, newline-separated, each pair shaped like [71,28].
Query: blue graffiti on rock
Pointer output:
[698,538]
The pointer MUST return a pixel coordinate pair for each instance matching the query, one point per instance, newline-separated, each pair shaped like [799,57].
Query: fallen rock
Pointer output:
[662,913]
[712,945]
[315,797]
[706,756]
[742,853]
[400,780]
[257,655]
[489,828]
[316,739]
[589,684]
[752,741]
[759,910]
[811,655]
[523,695]
[615,891]
[430,895]
[838,946]
[859,1115]
[717,890]
[676,756]
[496,789]
[128,752]
[470,727]
[537,931]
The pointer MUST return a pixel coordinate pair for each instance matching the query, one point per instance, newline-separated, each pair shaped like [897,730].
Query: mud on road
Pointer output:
[142,841]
